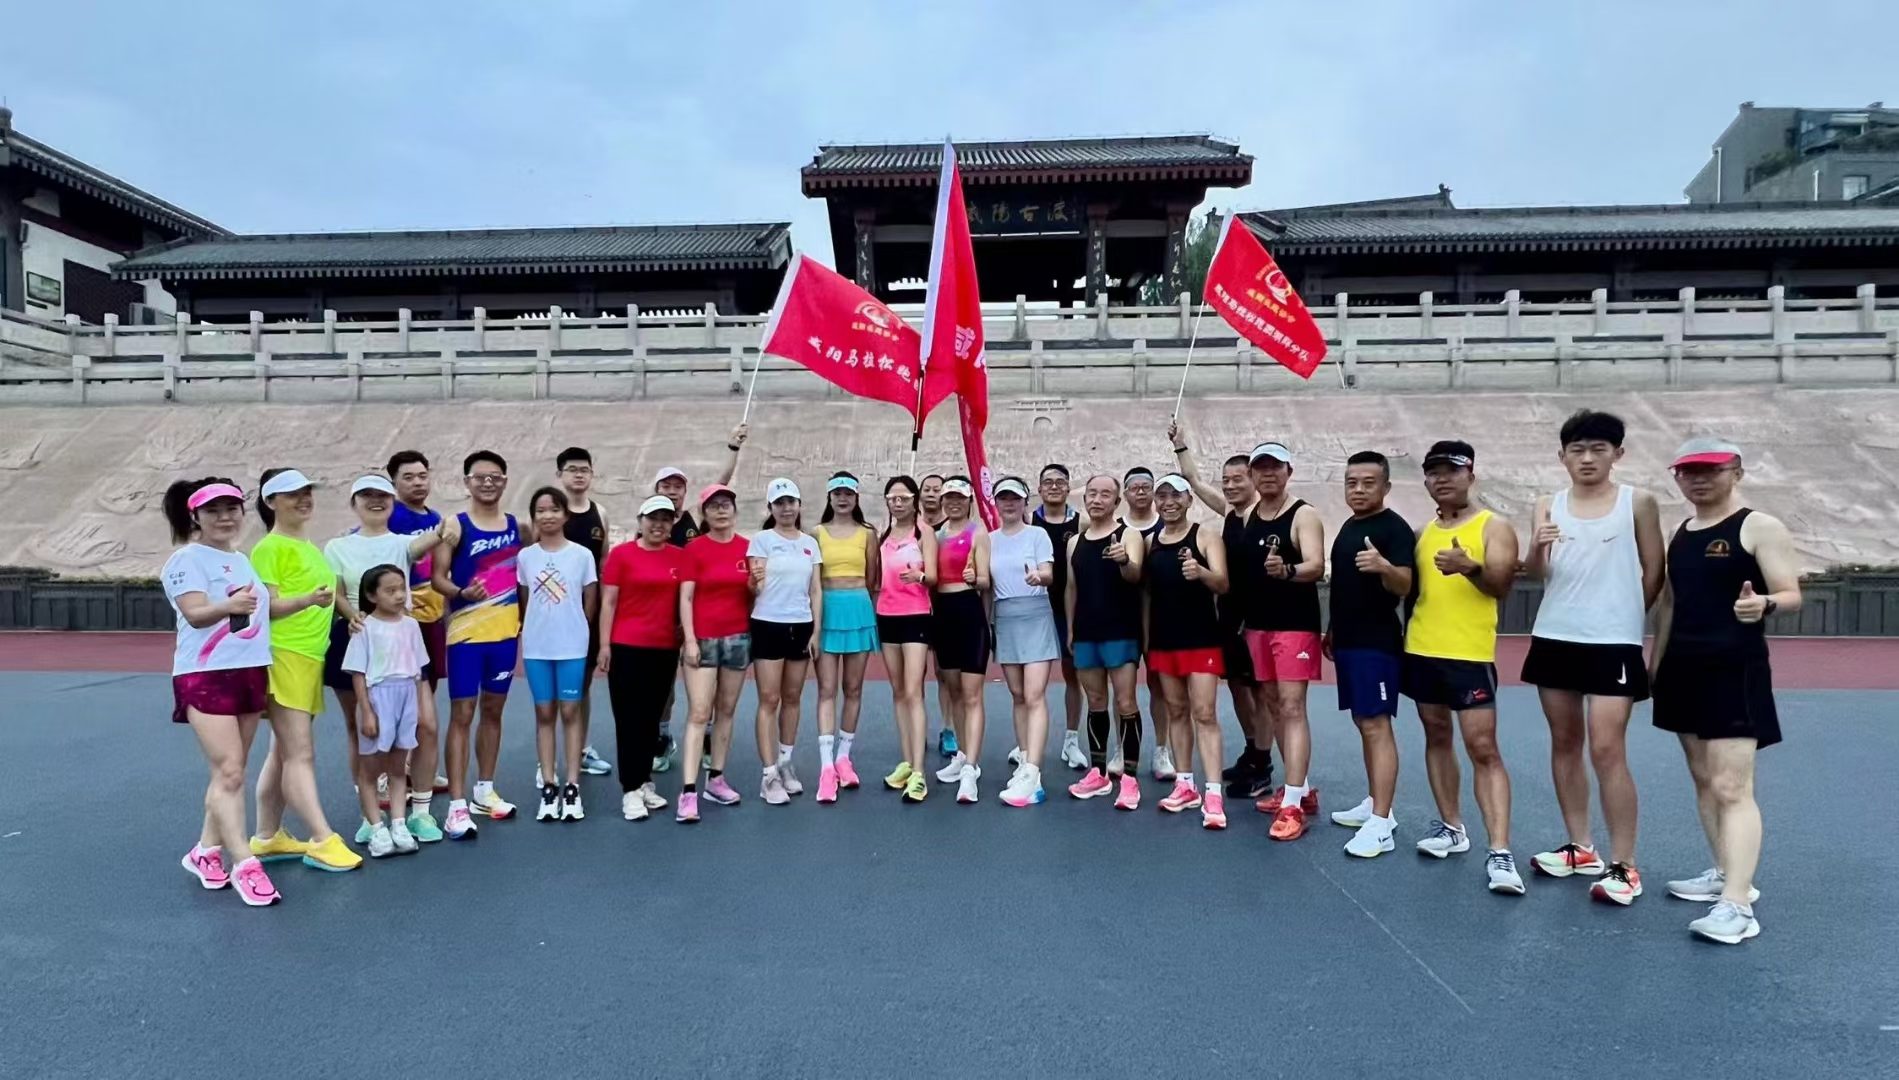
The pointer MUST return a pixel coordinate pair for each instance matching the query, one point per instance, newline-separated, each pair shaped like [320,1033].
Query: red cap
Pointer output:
[716,489]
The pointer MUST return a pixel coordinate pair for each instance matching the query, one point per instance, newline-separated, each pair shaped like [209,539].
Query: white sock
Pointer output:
[1070,738]
[1382,824]
[483,789]
[1292,796]
[784,753]
[1215,787]
[457,804]
[1184,778]
[770,771]
[827,753]
[419,804]
[844,740]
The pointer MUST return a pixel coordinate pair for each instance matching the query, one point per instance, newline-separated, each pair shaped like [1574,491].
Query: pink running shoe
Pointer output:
[1130,797]
[1095,783]
[207,865]
[827,784]
[846,774]
[721,792]
[253,885]
[688,808]
[1183,797]
[1213,812]
[771,788]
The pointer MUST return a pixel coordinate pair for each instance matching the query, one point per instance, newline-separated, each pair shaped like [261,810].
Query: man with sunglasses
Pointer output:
[1729,568]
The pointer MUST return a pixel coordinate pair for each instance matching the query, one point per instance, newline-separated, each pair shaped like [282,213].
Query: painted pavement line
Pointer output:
[1395,939]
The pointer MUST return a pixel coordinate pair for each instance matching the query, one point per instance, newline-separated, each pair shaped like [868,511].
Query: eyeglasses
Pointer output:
[579,470]
[487,480]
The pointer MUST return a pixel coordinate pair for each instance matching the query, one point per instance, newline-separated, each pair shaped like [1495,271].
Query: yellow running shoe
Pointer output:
[332,854]
[899,776]
[917,788]
[279,847]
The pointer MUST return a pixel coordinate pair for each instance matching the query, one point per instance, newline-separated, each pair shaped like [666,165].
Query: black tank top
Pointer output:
[1275,603]
[1107,605]
[1242,575]
[1058,534]
[1182,615]
[586,529]
[1706,568]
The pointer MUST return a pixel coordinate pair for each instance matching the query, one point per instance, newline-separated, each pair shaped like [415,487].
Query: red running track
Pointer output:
[1799,663]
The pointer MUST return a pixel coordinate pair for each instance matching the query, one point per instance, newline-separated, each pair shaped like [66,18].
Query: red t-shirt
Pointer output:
[648,611]
[722,591]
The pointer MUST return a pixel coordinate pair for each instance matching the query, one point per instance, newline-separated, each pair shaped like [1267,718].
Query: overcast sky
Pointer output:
[268,117]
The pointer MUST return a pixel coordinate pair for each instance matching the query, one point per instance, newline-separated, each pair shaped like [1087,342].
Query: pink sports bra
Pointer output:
[899,597]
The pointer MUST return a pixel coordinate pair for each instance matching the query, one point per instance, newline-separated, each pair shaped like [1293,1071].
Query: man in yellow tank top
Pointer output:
[1467,563]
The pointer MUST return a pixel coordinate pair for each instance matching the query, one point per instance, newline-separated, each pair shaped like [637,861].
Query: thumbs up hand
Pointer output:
[1454,560]
[1751,607]
[1275,566]
[1370,560]
[1190,567]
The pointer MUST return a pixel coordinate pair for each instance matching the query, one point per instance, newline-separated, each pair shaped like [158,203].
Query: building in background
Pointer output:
[585,271]
[1388,251]
[1808,155]
[1062,220]
[63,224]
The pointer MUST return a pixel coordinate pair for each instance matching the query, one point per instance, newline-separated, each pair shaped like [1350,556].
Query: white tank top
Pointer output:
[1593,594]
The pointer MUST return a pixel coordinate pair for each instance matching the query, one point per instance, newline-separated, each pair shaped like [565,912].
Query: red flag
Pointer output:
[829,324]
[952,328]
[1245,286]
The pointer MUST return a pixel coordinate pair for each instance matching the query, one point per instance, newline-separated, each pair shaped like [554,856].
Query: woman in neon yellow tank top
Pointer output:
[849,634]
[1467,563]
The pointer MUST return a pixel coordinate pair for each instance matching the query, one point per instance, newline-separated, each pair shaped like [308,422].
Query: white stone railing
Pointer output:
[1102,350]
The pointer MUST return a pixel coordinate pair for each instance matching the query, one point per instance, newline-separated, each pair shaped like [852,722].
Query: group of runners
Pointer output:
[1129,581]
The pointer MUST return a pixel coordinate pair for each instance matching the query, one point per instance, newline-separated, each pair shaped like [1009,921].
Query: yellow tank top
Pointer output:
[843,558]
[1453,619]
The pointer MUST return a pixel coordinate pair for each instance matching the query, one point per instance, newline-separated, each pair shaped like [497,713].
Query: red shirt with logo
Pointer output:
[722,591]
[647,614]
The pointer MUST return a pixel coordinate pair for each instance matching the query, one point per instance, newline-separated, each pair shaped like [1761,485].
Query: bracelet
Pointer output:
[1180,449]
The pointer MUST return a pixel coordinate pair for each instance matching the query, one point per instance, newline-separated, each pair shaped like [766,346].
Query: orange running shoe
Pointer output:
[1288,824]
[1270,804]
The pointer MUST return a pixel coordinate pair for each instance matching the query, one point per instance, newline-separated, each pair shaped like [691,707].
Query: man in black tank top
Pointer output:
[1285,540]
[1252,775]
[586,526]
[1729,568]
[1137,491]
[1104,612]
[1061,521]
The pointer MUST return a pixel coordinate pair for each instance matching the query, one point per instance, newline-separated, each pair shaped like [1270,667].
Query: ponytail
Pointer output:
[264,512]
[176,504]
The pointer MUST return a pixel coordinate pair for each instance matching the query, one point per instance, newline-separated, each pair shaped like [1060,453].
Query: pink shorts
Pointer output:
[227,692]
[1285,655]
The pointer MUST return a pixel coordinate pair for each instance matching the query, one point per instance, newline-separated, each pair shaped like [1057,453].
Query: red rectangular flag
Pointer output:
[831,325]
[1246,287]
[952,327]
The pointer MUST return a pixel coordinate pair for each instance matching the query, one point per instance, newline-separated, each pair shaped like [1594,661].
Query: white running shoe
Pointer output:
[1016,757]
[571,808]
[1727,922]
[1372,839]
[632,807]
[404,839]
[1164,763]
[549,810]
[1444,840]
[381,844]
[966,784]
[788,779]
[953,772]
[491,804]
[651,797]
[1705,887]
[1356,817]
[1501,867]
[539,780]
[1073,755]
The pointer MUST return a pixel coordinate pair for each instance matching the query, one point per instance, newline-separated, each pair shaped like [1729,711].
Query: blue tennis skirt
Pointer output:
[850,622]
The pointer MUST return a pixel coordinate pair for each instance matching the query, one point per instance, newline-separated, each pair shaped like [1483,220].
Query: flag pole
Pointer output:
[1199,312]
[930,298]
[771,327]
[751,387]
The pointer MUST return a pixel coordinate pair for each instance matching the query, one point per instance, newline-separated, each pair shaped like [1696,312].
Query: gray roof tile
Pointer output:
[922,161]
[36,156]
[1493,228]
[617,247]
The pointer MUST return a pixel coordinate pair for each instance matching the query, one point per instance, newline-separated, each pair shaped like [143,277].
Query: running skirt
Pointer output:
[850,622]
[1025,631]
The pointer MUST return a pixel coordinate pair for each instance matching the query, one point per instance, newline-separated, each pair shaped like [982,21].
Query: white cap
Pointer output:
[286,481]
[657,504]
[781,488]
[666,474]
[958,487]
[1012,486]
[372,482]
[1276,451]
[1173,480]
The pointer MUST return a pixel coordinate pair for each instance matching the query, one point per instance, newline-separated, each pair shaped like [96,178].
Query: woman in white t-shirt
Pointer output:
[350,556]
[786,566]
[560,592]
[1021,566]
[220,672]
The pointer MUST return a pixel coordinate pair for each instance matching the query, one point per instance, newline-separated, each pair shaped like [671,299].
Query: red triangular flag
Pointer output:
[1246,287]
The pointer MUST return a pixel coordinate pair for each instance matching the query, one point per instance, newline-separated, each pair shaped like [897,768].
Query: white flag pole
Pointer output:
[771,328]
[1200,311]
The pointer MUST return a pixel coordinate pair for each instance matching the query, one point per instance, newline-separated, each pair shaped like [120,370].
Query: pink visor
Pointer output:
[716,489]
[1715,457]
[212,491]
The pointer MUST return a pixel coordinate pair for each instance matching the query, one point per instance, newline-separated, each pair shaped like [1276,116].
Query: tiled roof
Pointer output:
[1134,158]
[37,157]
[1326,231]
[470,251]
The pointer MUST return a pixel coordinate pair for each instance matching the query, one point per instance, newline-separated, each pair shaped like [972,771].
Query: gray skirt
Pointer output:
[1025,631]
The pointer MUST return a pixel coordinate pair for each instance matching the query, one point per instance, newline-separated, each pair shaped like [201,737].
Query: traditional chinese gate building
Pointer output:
[1057,219]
